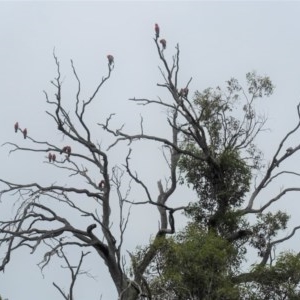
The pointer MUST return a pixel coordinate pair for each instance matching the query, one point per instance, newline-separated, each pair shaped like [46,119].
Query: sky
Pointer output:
[217,40]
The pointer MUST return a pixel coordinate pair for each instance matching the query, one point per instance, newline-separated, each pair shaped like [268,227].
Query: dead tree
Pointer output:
[37,223]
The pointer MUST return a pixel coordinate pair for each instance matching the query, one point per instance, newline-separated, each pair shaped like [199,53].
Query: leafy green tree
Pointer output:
[219,160]
[194,265]
[275,281]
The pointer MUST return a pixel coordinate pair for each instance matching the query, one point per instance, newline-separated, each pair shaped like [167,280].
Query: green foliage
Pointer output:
[266,228]
[271,223]
[222,175]
[259,86]
[195,265]
[280,281]
[204,260]
[227,190]
[223,181]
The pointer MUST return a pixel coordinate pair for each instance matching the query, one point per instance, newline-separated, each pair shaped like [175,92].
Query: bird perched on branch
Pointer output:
[185,92]
[25,133]
[53,157]
[163,43]
[110,59]
[64,149]
[68,151]
[50,157]
[16,126]
[156,28]
[101,185]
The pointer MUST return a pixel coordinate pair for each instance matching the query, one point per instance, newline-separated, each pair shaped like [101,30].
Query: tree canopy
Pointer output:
[212,149]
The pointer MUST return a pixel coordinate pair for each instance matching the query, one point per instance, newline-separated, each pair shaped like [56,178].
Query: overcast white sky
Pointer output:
[218,40]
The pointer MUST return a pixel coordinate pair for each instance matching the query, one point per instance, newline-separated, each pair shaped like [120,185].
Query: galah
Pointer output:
[110,59]
[185,92]
[68,150]
[101,185]
[16,127]
[64,149]
[53,157]
[50,157]
[163,43]
[25,133]
[156,30]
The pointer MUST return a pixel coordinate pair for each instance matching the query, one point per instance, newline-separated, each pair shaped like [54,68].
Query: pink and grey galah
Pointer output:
[163,43]
[110,59]
[101,185]
[16,126]
[156,28]
[25,133]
